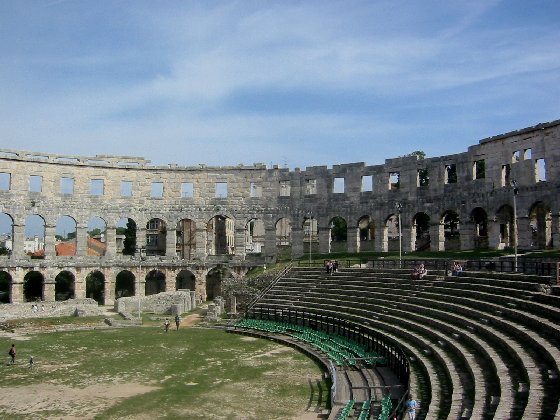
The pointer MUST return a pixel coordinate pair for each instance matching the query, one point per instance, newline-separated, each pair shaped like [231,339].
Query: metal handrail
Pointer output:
[270,286]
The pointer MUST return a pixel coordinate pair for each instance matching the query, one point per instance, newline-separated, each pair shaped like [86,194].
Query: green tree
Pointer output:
[130,238]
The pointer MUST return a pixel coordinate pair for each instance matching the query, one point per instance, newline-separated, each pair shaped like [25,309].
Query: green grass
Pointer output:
[192,373]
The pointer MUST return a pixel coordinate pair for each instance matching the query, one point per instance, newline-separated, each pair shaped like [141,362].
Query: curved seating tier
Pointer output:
[481,345]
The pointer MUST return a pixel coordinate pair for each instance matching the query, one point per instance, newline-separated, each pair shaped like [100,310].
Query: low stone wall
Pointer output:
[70,307]
[172,303]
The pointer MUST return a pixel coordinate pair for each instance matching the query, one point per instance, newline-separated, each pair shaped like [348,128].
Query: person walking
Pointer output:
[12,353]
[177,321]
[166,324]
[411,406]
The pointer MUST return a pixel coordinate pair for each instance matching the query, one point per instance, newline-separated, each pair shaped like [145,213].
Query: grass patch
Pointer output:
[143,372]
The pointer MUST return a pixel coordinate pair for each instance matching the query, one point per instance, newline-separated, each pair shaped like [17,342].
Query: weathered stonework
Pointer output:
[465,200]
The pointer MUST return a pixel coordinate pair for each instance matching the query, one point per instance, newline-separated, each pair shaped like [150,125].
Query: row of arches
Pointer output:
[217,236]
[125,284]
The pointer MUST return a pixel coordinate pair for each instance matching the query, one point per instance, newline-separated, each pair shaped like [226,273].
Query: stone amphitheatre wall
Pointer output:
[471,190]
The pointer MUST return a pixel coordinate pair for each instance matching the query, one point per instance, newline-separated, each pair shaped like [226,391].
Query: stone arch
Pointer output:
[254,236]
[479,219]
[366,232]
[284,238]
[34,243]
[155,283]
[66,236]
[214,279]
[64,286]
[96,236]
[391,233]
[504,219]
[125,284]
[95,286]
[338,234]
[5,286]
[540,224]
[126,236]
[156,237]
[7,239]
[185,280]
[450,227]
[33,286]
[186,238]
[220,235]
[420,231]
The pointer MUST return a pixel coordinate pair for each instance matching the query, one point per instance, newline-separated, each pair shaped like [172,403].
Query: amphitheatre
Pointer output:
[118,231]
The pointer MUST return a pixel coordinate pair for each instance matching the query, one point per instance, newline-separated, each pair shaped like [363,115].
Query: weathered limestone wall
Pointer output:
[161,303]
[85,307]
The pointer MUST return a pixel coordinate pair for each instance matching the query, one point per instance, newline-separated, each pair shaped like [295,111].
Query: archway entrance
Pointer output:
[366,229]
[185,280]
[125,284]
[214,282]
[64,286]
[155,283]
[5,287]
[33,286]
[95,286]
[479,218]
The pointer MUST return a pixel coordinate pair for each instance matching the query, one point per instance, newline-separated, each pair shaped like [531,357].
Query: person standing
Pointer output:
[411,406]
[12,353]
[177,321]
[166,324]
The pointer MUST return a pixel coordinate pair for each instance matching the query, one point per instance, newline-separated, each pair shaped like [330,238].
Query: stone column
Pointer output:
[381,238]
[467,233]
[297,243]
[48,289]
[109,286]
[111,242]
[81,240]
[18,240]
[170,279]
[494,235]
[270,249]
[140,284]
[353,235]
[524,233]
[324,240]
[200,243]
[240,242]
[140,238]
[171,243]
[16,286]
[408,239]
[80,284]
[50,250]
[437,237]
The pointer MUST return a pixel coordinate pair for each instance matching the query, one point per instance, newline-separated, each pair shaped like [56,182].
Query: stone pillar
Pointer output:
[193,299]
[494,235]
[16,286]
[140,238]
[353,235]
[240,242]
[171,243]
[80,284]
[324,240]
[270,249]
[81,240]
[18,240]
[109,287]
[524,233]
[381,238]
[140,287]
[466,234]
[437,237]
[170,279]
[50,241]
[48,290]
[200,243]
[233,305]
[297,243]
[555,227]
[408,239]
[111,242]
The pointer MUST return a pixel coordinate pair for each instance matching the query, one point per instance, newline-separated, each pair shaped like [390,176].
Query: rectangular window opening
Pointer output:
[540,170]
[221,190]
[527,154]
[479,169]
[255,190]
[5,181]
[451,173]
[338,186]
[367,183]
[285,189]
[126,188]
[187,190]
[67,185]
[506,175]
[423,178]
[157,190]
[97,187]
[310,186]
[394,181]
[35,183]
[516,157]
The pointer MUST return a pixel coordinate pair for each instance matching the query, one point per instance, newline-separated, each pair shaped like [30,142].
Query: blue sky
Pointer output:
[293,83]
